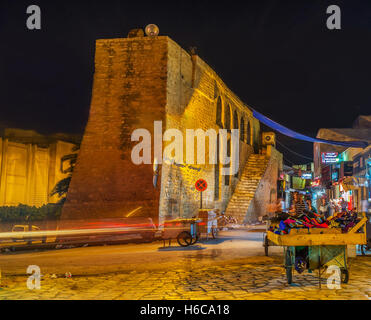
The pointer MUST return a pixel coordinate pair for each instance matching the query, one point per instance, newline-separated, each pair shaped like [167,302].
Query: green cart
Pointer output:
[317,248]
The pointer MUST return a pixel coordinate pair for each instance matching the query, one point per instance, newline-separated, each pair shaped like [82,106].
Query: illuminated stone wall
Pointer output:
[129,92]
[193,92]
[29,170]
[136,82]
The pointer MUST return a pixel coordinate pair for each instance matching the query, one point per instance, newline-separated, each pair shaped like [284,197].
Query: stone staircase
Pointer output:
[246,187]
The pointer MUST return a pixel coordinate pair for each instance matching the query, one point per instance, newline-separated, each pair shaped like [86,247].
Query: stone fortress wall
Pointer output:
[139,80]
[198,98]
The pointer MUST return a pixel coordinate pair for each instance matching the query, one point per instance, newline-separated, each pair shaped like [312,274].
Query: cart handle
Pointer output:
[358,225]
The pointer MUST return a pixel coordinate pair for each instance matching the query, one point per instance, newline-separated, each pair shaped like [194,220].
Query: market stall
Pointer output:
[311,242]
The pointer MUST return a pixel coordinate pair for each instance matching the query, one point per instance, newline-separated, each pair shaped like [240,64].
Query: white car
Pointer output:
[25,228]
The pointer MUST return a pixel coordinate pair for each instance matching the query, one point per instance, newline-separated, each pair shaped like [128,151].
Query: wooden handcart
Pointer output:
[320,247]
[185,231]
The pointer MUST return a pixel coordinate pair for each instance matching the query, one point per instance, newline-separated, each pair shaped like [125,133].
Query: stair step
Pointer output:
[245,190]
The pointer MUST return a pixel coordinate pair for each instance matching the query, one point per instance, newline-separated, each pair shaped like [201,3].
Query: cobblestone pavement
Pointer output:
[248,278]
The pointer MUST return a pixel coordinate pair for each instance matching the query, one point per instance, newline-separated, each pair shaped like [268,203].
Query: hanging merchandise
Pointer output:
[283,223]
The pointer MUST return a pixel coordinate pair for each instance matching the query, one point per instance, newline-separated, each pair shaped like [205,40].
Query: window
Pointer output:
[227,176]
[216,171]
[227,118]
[242,129]
[248,133]
[235,120]
[219,112]
[226,180]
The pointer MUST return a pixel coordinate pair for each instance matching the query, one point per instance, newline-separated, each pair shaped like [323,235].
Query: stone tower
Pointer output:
[139,80]
[129,92]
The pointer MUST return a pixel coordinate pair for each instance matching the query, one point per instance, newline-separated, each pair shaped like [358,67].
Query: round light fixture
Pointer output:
[152,30]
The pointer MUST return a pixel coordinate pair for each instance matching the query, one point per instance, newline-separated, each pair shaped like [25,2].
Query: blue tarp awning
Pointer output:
[281,129]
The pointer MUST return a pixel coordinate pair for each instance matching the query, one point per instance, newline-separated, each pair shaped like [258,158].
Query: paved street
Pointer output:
[232,267]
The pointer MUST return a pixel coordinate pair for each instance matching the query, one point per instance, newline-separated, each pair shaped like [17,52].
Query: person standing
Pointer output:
[324,208]
[343,205]
[309,206]
[298,204]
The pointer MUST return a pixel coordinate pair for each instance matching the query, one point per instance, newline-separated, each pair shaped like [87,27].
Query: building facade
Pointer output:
[342,172]
[355,174]
[30,166]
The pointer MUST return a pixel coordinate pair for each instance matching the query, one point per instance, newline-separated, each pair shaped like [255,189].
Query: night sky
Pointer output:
[277,56]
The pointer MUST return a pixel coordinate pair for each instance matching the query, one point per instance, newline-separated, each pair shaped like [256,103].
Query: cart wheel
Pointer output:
[185,239]
[266,245]
[344,276]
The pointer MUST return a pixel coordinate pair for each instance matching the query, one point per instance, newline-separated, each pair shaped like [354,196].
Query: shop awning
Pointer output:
[352,183]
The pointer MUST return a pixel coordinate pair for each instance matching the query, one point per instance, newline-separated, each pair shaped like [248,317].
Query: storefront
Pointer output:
[361,181]
[346,189]
[337,183]
[349,180]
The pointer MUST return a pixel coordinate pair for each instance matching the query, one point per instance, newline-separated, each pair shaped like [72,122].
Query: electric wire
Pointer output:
[298,154]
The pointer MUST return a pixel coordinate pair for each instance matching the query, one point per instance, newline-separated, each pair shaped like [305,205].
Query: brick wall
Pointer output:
[193,91]
[129,92]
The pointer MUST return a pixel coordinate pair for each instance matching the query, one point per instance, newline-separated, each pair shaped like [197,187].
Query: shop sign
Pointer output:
[346,169]
[335,175]
[316,183]
[329,157]
[307,175]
